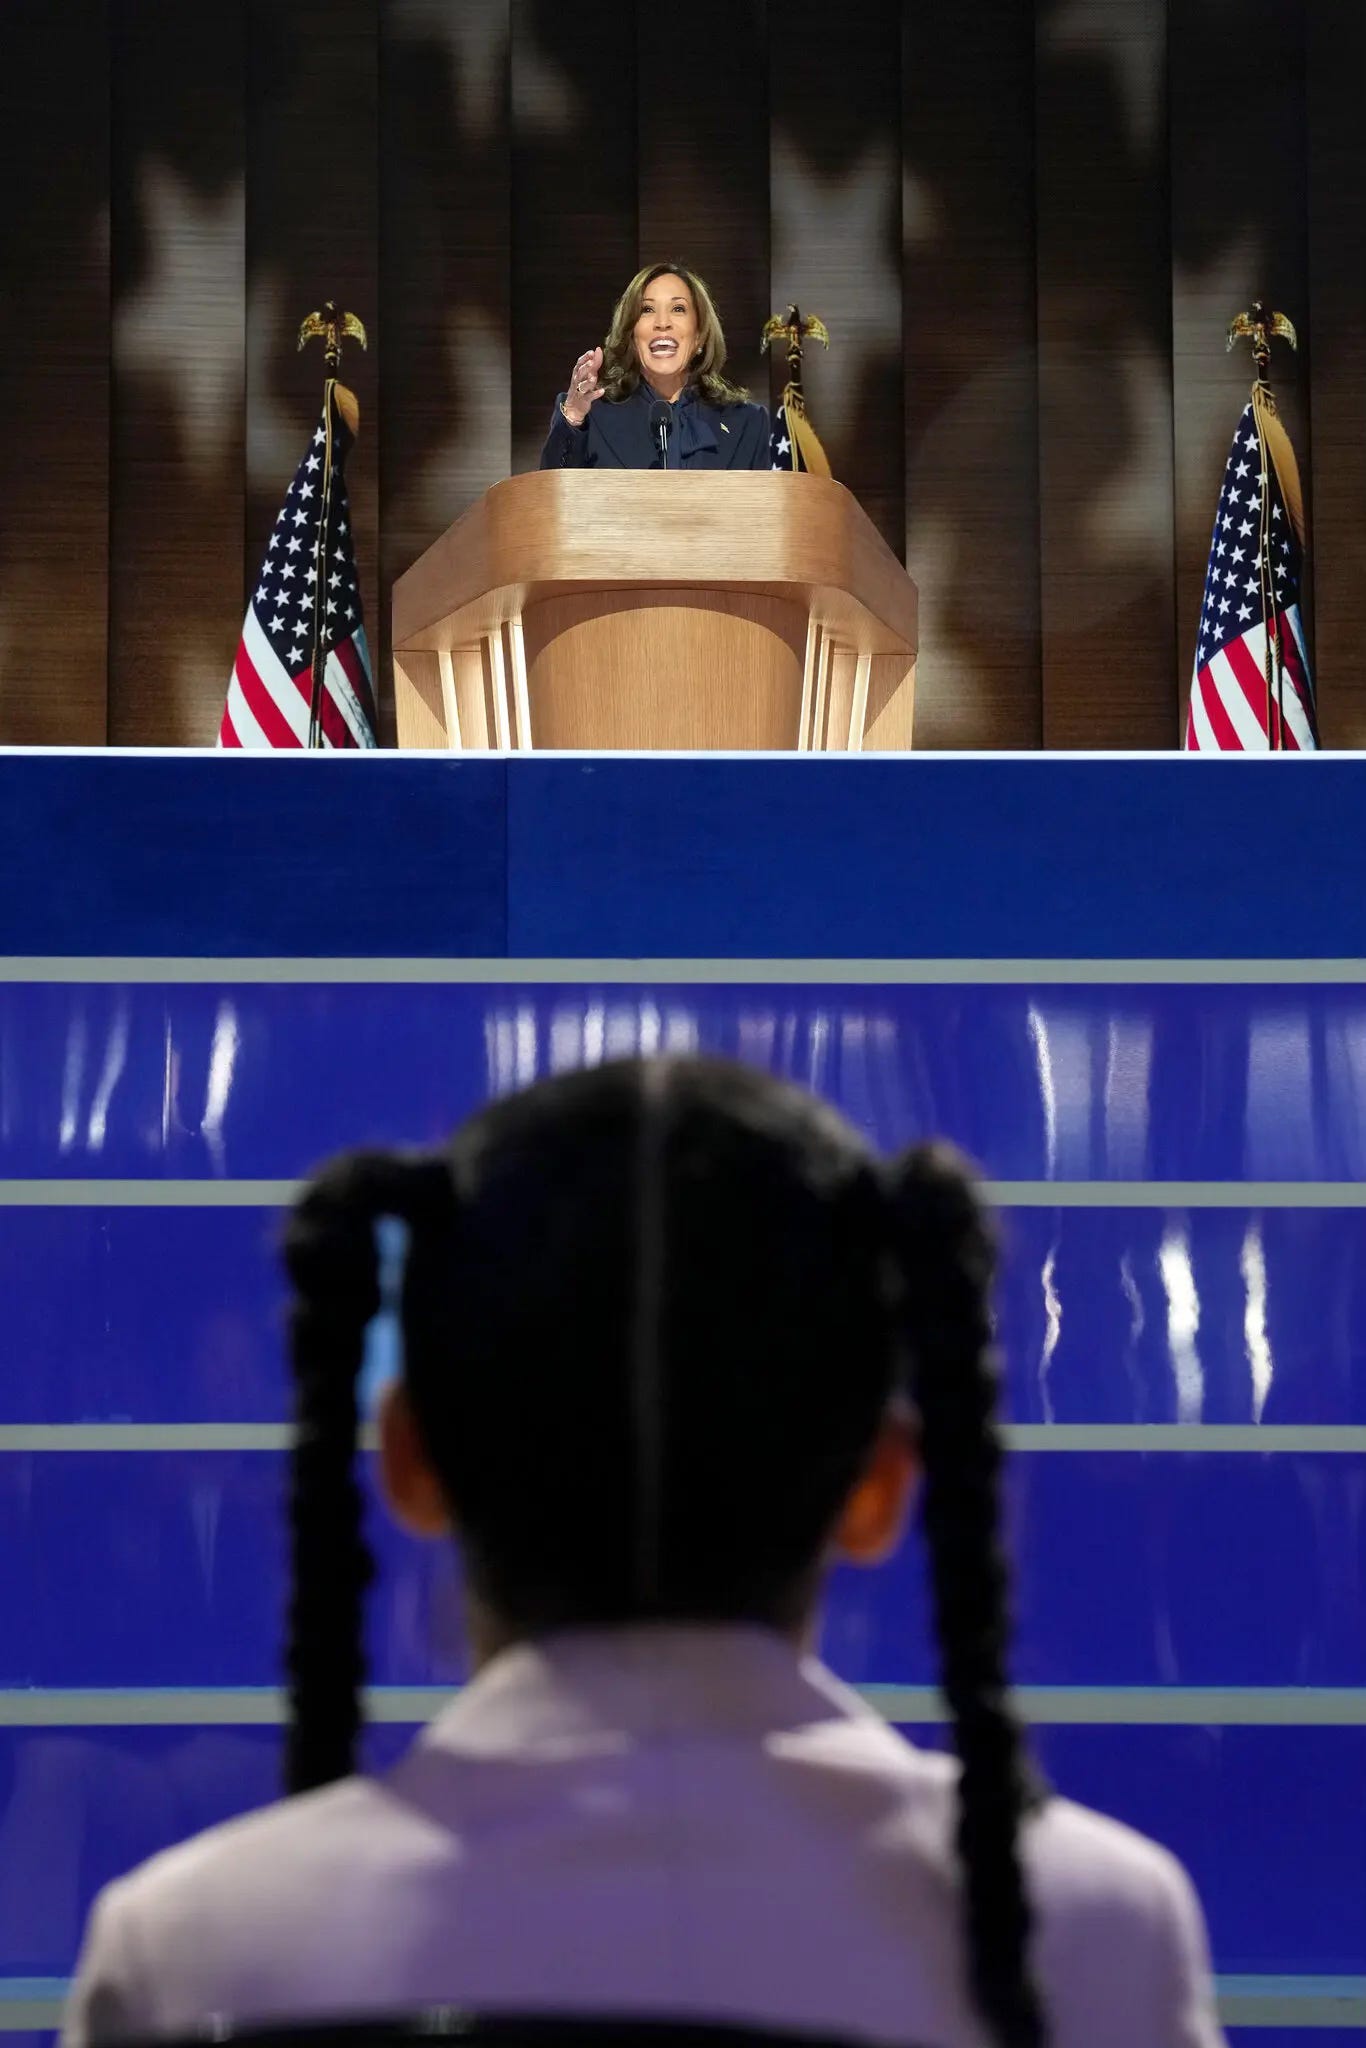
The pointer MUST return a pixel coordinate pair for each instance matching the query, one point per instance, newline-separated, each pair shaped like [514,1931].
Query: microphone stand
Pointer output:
[661,426]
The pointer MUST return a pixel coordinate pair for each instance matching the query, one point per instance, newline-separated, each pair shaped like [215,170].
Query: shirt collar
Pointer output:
[594,1689]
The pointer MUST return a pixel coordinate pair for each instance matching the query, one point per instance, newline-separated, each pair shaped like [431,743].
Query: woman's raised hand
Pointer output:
[583,387]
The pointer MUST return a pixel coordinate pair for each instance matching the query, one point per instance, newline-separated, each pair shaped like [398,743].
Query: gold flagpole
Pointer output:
[328,326]
[1277,459]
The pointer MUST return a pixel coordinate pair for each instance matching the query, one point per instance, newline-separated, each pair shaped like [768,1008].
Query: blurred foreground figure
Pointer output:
[675,1341]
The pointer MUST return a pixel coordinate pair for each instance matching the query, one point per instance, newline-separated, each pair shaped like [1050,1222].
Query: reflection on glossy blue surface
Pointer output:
[176,1315]
[1182,1083]
[1094,1321]
[1132,1570]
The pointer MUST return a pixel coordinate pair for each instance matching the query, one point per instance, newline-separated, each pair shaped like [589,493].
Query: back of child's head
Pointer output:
[653,1315]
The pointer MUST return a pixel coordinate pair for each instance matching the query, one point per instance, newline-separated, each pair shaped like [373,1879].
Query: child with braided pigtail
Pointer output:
[673,1342]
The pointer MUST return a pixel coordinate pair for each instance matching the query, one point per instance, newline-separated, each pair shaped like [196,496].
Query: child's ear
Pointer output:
[873,1519]
[411,1487]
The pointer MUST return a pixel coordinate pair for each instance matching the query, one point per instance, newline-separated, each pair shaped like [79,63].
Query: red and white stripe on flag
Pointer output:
[268,701]
[1228,705]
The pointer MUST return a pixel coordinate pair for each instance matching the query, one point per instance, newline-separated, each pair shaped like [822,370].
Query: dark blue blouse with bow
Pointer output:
[617,436]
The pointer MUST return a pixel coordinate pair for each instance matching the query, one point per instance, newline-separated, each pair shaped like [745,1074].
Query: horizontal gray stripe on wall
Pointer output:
[1005,1194]
[616,973]
[31,2003]
[1151,1706]
[147,1194]
[1195,1706]
[1050,1437]
[28,2015]
[1176,1194]
[1257,2000]
[1185,1436]
[1283,2006]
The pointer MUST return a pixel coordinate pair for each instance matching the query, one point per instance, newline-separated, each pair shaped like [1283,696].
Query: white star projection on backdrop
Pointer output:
[544,101]
[835,252]
[1202,302]
[475,38]
[1129,521]
[183,324]
[922,223]
[455,471]
[273,433]
[1132,36]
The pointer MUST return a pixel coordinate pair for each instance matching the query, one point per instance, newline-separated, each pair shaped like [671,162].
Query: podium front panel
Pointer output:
[674,669]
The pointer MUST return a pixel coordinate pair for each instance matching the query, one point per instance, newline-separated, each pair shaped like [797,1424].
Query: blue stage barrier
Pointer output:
[1117,983]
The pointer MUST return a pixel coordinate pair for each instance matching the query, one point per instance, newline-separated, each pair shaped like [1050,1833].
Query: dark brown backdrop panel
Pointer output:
[573,195]
[1337,323]
[177,85]
[54,375]
[444,236]
[311,234]
[704,171]
[835,184]
[1106,596]
[1238,233]
[972,531]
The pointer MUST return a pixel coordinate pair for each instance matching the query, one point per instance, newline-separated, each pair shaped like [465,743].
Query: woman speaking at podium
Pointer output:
[654,397]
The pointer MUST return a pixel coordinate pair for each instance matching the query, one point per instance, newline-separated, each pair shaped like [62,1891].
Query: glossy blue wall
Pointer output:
[1119,983]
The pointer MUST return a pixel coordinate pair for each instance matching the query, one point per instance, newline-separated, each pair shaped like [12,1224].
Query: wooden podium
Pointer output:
[651,609]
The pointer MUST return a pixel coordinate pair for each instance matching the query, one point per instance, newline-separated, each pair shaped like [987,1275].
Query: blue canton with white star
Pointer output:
[1233,601]
[780,453]
[283,597]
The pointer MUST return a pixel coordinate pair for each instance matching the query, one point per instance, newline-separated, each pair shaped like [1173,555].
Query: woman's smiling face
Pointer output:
[666,330]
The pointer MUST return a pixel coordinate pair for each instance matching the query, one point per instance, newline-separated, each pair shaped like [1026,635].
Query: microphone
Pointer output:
[661,426]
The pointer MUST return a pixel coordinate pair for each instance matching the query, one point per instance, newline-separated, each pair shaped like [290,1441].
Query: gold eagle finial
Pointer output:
[328,325]
[794,328]
[1258,326]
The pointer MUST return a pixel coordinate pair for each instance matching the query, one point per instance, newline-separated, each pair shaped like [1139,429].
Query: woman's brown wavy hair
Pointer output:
[620,373]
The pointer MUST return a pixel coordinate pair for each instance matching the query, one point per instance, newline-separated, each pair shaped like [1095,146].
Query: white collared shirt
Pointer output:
[678,1822]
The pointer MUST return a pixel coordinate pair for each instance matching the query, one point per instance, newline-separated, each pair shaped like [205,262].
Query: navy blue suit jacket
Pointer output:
[617,436]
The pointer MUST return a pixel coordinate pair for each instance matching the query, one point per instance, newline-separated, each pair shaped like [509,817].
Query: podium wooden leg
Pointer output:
[472,697]
[449,700]
[840,700]
[858,710]
[891,705]
[420,701]
[818,708]
[810,666]
[498,686]
[521,701]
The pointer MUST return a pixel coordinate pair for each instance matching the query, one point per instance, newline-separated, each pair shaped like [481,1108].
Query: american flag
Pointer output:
[1255,545]
[272,677]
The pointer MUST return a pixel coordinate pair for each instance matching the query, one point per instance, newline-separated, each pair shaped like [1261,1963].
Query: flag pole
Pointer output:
[1257,325]
[328,325]
[791,327]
